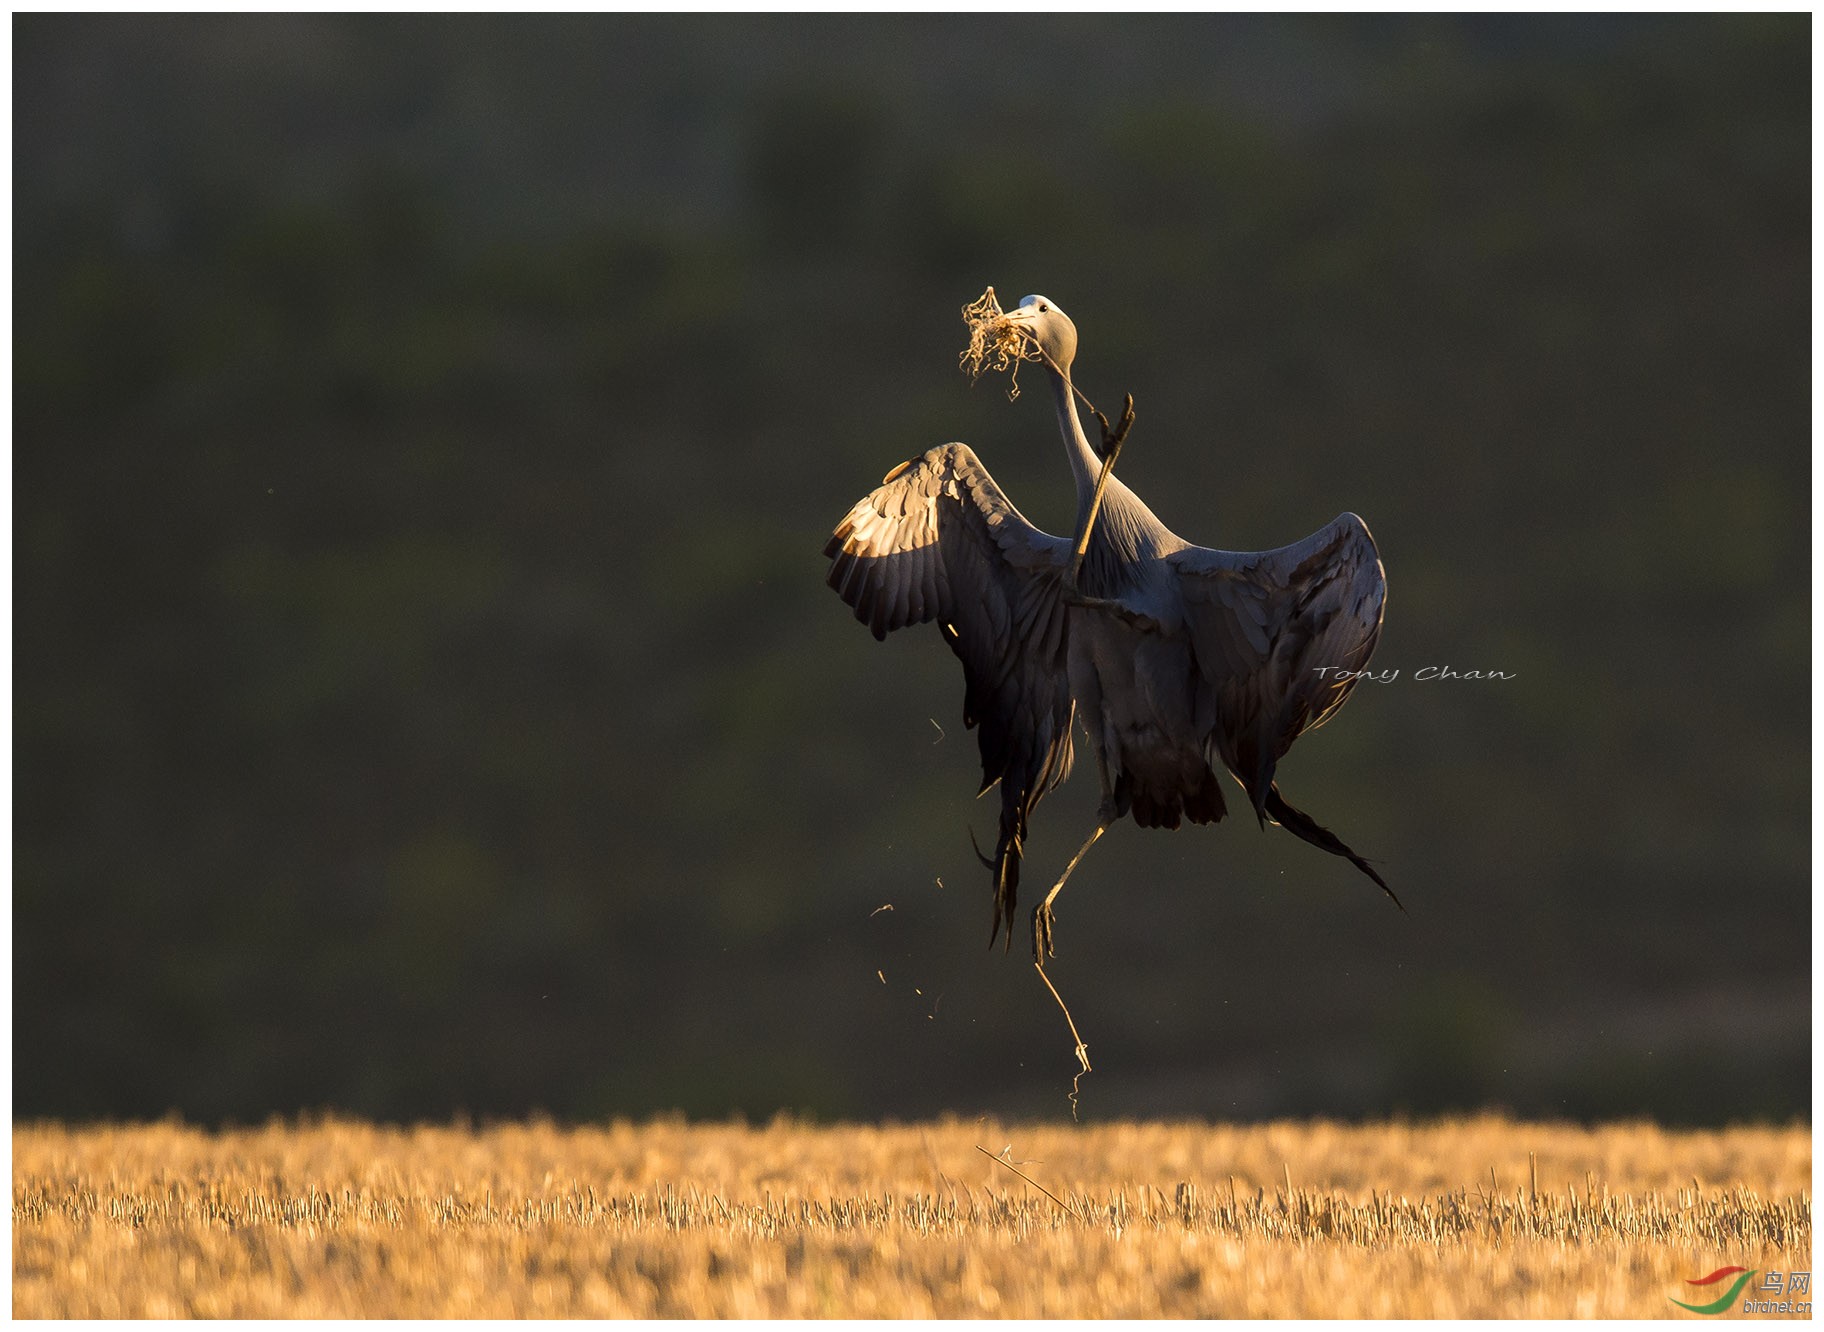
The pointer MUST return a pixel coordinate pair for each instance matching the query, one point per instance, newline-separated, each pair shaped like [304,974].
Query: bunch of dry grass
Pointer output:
[1477,1219]
[994,342]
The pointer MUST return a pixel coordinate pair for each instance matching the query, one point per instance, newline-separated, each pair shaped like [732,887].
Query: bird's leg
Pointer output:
[1041,938]
[1042,915]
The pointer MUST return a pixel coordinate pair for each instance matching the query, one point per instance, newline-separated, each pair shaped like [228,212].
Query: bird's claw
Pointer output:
[1041,934]
[1112,440]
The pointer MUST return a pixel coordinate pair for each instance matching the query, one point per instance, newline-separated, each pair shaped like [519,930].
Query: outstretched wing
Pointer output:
[1277,635]
[939,541]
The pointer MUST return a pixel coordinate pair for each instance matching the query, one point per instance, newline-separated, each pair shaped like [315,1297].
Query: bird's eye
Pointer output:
[1044,308]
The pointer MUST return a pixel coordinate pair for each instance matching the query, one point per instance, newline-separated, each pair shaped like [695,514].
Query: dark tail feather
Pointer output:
[1006,869]
[1301,824]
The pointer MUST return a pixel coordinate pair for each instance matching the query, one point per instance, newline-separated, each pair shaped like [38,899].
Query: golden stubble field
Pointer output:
[340,1219]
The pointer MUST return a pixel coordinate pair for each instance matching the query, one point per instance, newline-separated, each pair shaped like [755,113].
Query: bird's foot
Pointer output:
[1041,933]
[1112,440]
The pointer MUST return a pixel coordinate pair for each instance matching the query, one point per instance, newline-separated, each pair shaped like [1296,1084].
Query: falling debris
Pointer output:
[940,731]
[884,906]
[883,976]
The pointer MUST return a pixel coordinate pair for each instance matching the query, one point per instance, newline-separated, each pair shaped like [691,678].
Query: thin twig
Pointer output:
[1082,1050]
[1112,443]
[1030,1180]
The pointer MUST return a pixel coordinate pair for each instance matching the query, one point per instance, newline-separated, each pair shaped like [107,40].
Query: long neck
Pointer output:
[1084,464]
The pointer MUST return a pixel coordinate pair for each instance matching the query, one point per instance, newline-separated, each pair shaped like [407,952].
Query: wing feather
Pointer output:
[938,540]
[1263,623]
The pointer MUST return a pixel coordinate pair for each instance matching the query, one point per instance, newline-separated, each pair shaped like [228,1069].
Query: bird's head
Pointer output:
[1050,329]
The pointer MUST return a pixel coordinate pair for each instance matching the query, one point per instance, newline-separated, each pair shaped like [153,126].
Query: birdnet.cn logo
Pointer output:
[1775,1294]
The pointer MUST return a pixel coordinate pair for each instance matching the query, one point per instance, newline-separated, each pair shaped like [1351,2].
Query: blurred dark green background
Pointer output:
[427,699]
